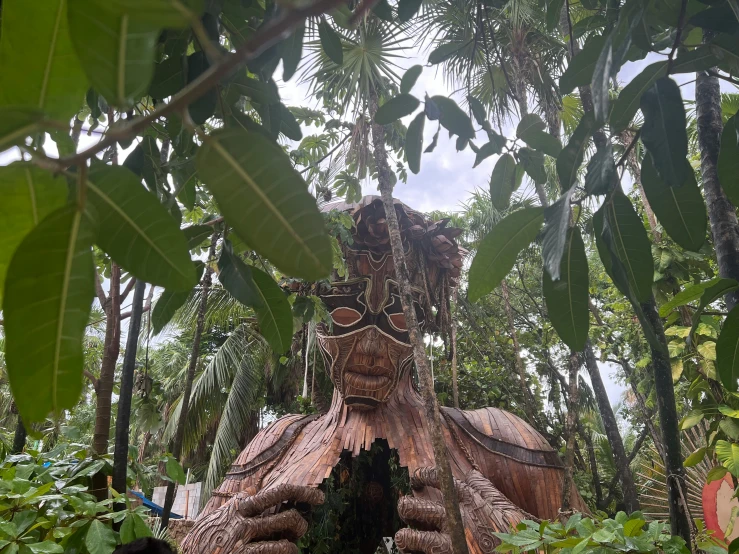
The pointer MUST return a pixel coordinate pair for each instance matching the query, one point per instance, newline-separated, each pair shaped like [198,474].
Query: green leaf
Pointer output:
[727,351]
[715,474]
[256,90]
[383,10]
[331,43]
[663,132]
[140,527]
[409,78]
[698,59]
[695,458]
[711,294]
[169,302]
[236,277]
[48,295]
[266,201]
[580,70]
[554,11]
[728,454]
[486,150]
[196,234]
[204,107]
[444,52]
[453,118]
[137,231]
[414,142]
[175,471]
[599,84]
[728,161]
[37,62]
[567,298]
[17,123]
[688,294]
[478,110]
[532,162]
[292,52]
[554,236]
[531,130]
[288,124]
[729,411]
[28,194]
[631,244]
[169,78]
[570,159]
[627,104]
[691,419]
[498,250]
[680,210]
[127,531]
[395,108]
[503,181]
[116,51]
[407,9]
[601,176]
[274,315]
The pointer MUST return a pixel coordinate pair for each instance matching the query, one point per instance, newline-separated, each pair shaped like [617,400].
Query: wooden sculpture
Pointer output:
[505,471]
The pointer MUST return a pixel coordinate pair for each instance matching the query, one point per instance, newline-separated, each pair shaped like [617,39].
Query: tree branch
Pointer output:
[126,315]
[129,288]
[92,378]
[100,292]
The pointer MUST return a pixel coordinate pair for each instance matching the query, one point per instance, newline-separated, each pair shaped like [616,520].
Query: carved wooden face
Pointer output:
[368,346]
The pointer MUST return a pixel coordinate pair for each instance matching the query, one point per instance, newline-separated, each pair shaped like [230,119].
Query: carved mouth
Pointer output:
[367,378]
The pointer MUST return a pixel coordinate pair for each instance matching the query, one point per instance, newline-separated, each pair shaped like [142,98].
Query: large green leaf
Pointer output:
[100,537]
[567,298]
[204,107]
[414,142]
[570,159]
[17,123]
[266,201]
[631,244]
[292,51]
[532,162]
[504,180]
[680,210]
[38,67]
[274,315]
[137,231]
[498,250]
[169,78]
[727,351]
[28,195]
[688,294]
[627,104]
[728,162]
[236,278]
[601,177]
[169,302]
[600,83]
[407,9]
[715,289]
[48,295]
[409,78]
[395,108]
[728,454]
[453,118]
[664,130]
[331,43]
[531,130]
[580,70]
[116,51]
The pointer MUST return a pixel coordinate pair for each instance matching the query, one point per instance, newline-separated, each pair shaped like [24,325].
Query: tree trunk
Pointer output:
[593,461]
[665,392]
[614,437]
[194,355]
[123,419]
[525,392]
[19,439]
[721,212]
[104,389]
[454,518]
[453,339]
[571,427]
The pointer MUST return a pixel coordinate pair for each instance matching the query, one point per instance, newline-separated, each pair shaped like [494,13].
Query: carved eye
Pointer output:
[345,317]
[398,322]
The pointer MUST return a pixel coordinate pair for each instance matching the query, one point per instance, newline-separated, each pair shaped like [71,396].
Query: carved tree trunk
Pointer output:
[123,419]
[104,389]
[456,527]
[194,355]
[614,437]
[721,212]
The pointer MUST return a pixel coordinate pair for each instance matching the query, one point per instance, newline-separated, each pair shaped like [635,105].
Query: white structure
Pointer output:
[186,500]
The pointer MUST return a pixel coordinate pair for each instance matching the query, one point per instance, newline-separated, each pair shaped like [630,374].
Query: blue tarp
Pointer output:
[156,508]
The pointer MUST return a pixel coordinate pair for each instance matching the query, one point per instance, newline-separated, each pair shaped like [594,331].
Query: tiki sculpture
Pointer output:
[505,471]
